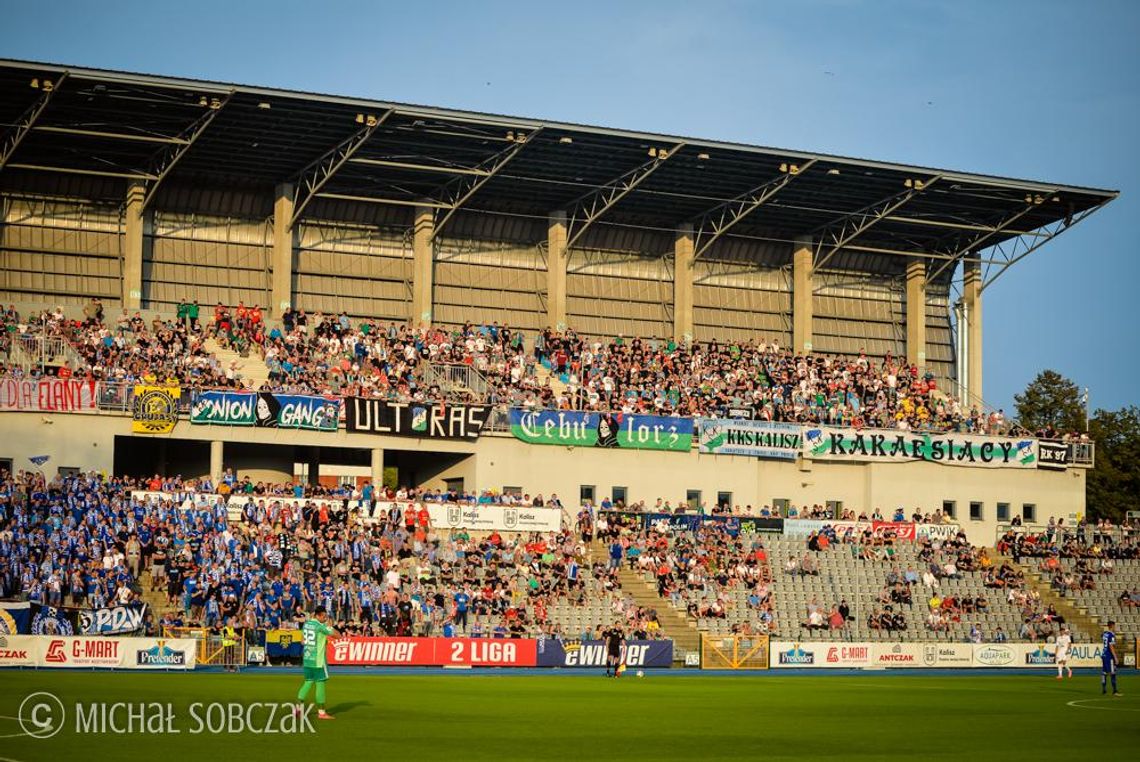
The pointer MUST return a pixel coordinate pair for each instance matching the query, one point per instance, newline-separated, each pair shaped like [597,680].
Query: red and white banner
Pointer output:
[847,655]
[434,652]
[17,651]
[85,652]
[47,395]
[902,530]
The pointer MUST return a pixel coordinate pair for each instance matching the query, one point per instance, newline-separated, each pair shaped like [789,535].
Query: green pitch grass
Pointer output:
[458,718]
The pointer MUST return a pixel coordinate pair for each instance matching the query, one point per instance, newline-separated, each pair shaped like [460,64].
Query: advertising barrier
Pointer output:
[757,439]
[792,654]
[402,419]
[824,443]
[592,653]
[480,517]
[434,652]
[621,430]
[47,395]
[87,652]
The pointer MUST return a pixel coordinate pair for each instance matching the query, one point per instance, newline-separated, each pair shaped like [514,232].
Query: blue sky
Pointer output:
[1043,89]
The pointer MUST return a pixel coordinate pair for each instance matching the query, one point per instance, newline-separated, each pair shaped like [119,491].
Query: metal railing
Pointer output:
[456,378]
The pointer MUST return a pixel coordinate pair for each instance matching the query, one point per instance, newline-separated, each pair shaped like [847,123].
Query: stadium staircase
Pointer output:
[154,599]
[1085,627]
[252,371]
[544,375]
[675,625]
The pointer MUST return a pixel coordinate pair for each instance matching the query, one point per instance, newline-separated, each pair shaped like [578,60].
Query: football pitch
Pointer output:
[579,717]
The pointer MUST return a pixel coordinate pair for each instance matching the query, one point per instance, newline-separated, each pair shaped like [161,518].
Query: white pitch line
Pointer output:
[1079,704]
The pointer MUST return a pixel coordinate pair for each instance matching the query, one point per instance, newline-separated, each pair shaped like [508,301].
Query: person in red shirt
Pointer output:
[424,518]
[255,315]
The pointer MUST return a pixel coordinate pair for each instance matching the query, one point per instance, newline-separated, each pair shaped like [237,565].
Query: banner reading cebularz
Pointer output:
[412,419]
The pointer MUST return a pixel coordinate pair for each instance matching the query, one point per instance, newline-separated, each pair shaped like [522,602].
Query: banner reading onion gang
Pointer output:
[592,653]
[622,430]
[403,419]
[757,439]
[47,395]
[286,411]
[948,449]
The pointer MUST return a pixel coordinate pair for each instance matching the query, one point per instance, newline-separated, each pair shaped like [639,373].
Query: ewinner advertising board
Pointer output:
[491,652]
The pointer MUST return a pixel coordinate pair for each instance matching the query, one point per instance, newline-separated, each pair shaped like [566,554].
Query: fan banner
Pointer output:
[869,445]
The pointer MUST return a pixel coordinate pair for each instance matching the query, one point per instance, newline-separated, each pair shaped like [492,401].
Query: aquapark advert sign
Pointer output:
[621,430]
[899,446]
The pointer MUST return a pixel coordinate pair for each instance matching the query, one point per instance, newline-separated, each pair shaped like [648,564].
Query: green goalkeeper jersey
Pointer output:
[314,635]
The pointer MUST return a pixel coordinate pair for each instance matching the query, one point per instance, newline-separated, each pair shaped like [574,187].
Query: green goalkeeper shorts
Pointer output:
[317,674]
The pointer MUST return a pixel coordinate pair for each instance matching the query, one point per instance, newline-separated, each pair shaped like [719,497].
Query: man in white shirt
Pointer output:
[1064,642]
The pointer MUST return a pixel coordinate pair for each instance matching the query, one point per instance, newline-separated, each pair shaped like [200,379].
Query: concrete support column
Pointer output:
[556,262]
[972,303]
[916,313]
[378,467]
[133,248]
[314,466]
[683,284]
[803,284]
[423,266]
[217,450]
[282,286]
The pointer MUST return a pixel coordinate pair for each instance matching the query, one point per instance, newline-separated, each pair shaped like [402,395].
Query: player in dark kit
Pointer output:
[1108,658]
[614,639]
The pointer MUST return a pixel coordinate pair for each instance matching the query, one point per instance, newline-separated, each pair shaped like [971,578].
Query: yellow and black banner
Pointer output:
[154,409]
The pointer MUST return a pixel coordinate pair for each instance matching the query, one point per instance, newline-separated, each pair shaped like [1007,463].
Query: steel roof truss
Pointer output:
[315,176]
[838,234]
[589,209]
[1013,250]
[960,251]
[166,159]
[466,188]
[27,121]
[717,222]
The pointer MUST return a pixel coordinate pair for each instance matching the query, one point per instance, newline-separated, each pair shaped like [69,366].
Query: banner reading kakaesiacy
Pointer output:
[757,439]
[823,443]
[621,430]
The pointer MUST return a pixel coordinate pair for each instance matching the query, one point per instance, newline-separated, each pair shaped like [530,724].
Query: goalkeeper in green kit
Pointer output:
[314,634]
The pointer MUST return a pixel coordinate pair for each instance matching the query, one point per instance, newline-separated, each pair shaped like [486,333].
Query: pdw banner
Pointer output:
[578,429]
[899,446]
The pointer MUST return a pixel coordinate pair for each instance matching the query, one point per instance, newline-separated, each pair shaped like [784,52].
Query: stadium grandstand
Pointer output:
[456,373]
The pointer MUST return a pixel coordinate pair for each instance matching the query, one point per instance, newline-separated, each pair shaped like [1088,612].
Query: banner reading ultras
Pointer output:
[154,409]
[404,419]
[285,411]
[949,449]
[757,439]
[578,429]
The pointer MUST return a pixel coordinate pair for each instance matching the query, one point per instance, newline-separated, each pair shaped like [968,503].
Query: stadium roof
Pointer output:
[87,132]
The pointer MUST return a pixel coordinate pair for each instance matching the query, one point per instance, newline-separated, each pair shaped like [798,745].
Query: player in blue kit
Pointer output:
[1108,658]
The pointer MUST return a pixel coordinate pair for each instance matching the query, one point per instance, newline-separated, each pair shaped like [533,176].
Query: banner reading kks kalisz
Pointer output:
[410,419]
[620,430]
[757,439]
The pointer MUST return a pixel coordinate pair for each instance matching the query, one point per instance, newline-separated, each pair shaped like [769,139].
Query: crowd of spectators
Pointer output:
[90,541]
[337,355]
